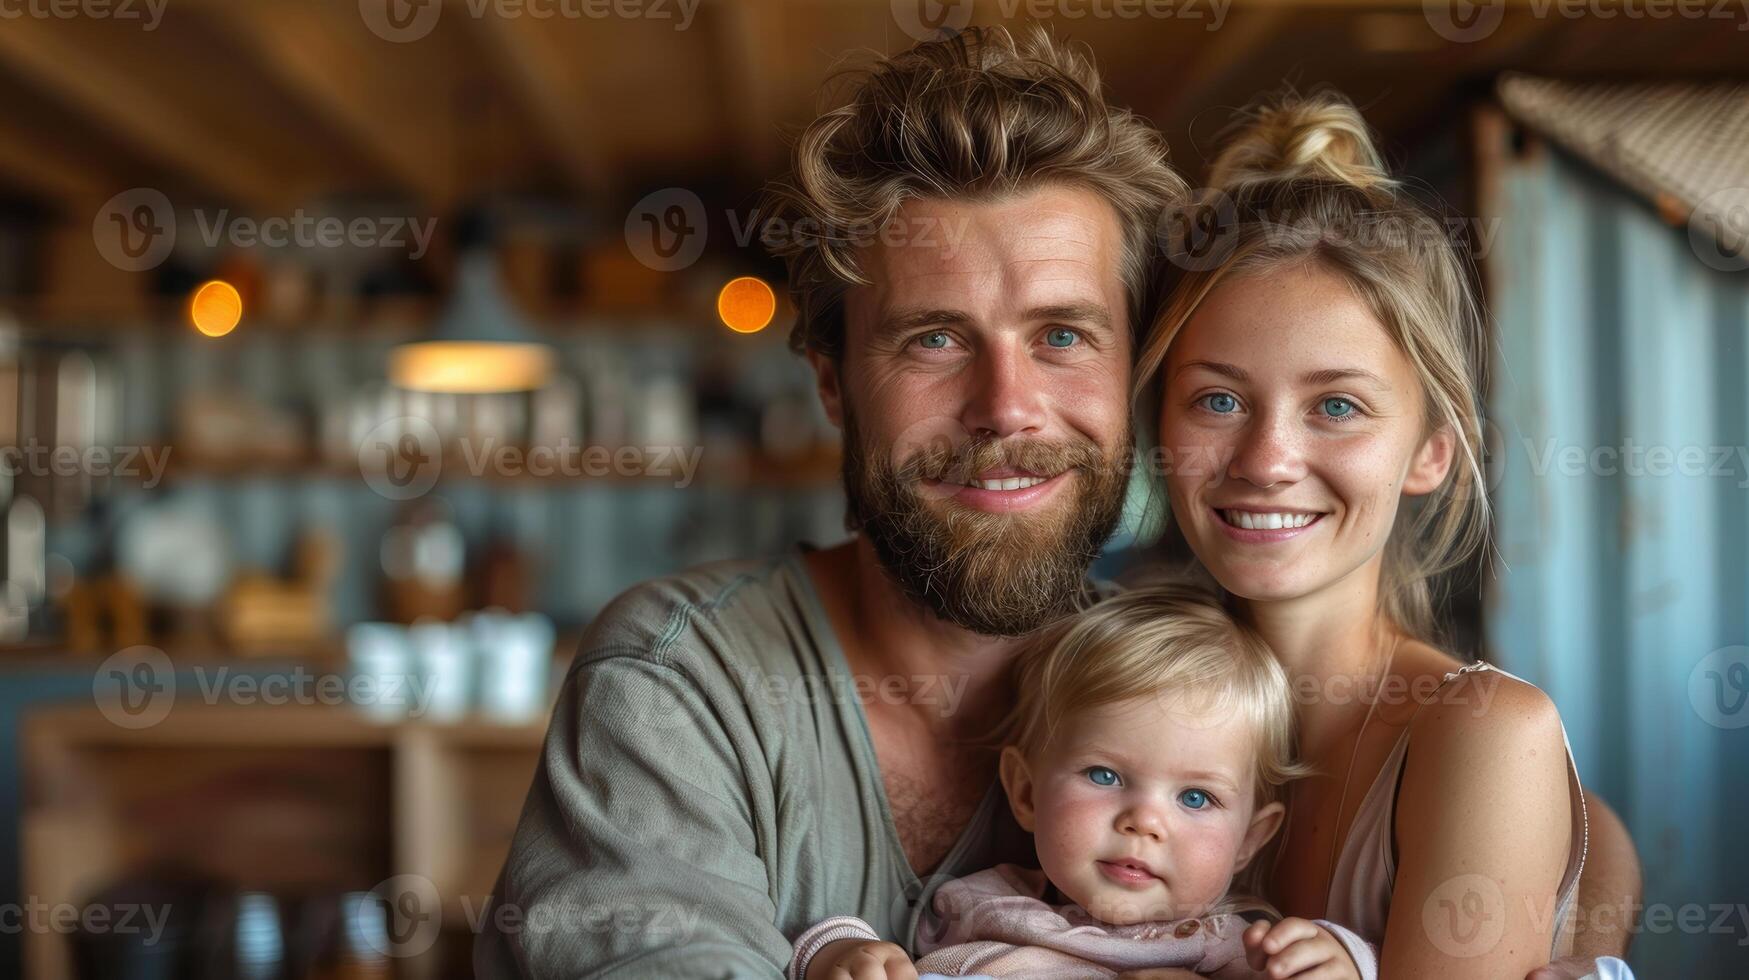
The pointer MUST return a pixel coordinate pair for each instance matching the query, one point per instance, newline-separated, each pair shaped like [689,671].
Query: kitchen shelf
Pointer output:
[282,798]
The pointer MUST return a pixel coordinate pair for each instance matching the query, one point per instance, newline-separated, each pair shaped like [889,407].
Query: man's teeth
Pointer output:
[1266,522]
[1008,483]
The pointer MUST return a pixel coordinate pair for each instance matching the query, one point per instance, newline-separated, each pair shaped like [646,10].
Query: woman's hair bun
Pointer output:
[1320,136]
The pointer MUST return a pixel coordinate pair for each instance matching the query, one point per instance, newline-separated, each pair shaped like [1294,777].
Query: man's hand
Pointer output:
[860,959]
[1298,948]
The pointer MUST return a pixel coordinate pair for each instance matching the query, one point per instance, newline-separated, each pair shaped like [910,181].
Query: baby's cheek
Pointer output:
[1207,865]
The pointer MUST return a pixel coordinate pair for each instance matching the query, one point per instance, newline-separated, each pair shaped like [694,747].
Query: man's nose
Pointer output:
[1007,395]
[1270,451]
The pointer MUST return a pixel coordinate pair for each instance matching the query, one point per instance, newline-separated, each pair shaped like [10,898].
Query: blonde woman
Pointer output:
[1319,372]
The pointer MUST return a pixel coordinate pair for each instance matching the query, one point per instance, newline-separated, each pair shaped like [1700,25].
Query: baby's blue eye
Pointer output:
[1221,402]
[933,341]
[1102,776]
[1195,799]
[1060,337]
[1337,408]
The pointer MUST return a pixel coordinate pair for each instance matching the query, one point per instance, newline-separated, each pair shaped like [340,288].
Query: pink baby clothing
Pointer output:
[997,923]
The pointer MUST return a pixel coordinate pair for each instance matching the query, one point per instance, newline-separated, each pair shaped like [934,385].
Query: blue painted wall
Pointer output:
[1622,511]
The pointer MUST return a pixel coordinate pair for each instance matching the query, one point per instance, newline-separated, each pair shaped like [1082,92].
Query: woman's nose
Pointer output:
[1269,452]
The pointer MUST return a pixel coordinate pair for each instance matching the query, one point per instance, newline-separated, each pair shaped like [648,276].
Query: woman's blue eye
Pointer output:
[1221,402]
[1060,337]
[1195,799]
[1338,408]
[933,341]
[1102,776]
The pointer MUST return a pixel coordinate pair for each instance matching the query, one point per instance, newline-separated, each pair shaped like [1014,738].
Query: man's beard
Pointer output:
[999,574]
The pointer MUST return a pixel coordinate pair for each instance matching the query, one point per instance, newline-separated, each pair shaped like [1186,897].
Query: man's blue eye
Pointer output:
[1060,337]
[1221,402]
[1102,776]
[1338,408]
[934,341]
[1195,799]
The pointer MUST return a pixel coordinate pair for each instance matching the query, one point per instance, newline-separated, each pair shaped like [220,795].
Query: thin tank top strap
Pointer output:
[1360,890]
[1368,852]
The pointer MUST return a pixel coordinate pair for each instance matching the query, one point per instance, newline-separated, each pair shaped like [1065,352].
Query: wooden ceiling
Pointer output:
[265,105]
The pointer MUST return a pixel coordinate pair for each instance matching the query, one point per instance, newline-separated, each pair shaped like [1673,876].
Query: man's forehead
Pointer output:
[1056,247]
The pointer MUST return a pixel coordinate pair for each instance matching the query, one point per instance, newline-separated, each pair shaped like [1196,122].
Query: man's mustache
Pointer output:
[961,462]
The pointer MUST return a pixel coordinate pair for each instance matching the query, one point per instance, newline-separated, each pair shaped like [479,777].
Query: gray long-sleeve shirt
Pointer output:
[709,789]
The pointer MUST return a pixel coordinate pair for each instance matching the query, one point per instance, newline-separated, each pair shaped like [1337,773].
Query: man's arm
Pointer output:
[635,856]
[1609,886]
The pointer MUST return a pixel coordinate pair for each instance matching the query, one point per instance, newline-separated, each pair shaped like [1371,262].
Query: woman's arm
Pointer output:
[1483,830]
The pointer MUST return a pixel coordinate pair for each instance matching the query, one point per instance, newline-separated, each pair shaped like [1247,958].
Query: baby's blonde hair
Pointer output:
[1169,639]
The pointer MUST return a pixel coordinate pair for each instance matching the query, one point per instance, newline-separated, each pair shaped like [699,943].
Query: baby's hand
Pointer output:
[1297,948]
[861,959]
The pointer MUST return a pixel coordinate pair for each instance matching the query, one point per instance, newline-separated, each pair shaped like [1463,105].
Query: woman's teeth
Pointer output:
[1251,521]
[1008,483]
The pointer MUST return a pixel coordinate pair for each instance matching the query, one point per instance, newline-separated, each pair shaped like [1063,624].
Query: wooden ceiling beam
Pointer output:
[523,53]
[315,63]
[47,54]
[46,172]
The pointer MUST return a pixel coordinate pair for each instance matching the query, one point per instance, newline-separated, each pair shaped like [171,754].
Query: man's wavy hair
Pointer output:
[979,116]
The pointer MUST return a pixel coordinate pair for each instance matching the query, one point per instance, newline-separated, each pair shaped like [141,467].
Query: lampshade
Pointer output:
[480,344]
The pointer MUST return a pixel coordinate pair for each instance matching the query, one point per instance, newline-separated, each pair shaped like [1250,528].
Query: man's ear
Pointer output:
[1432,462]
[1017,780]
[829,385]
[1264,823]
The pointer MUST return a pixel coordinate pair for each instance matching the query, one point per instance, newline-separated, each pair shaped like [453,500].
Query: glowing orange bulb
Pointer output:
[216,308]
[746,304]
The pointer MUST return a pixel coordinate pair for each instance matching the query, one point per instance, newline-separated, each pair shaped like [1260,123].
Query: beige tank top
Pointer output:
[1366,871]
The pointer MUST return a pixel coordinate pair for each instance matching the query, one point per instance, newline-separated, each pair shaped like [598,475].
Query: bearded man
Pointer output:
[744,749]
